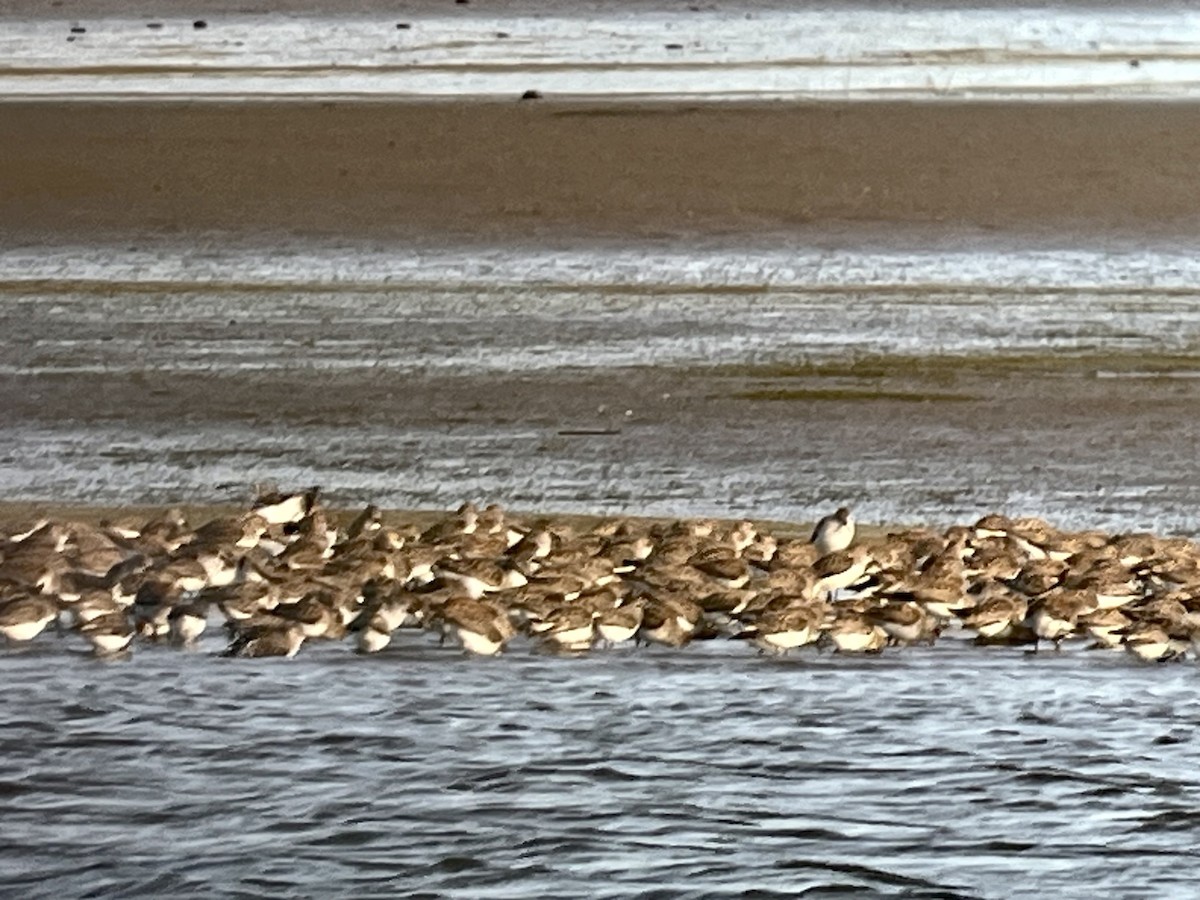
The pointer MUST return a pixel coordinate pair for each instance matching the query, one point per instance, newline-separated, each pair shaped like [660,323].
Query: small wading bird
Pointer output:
[486,580]
[834,533]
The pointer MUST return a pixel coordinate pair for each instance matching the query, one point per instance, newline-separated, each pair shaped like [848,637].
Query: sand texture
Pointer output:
[528,169]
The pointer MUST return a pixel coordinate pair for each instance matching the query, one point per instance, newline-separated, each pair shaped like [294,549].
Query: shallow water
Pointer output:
[943,772]
[611,378]
[731,51]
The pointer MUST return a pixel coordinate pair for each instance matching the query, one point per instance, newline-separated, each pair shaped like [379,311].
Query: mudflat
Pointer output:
[501,170]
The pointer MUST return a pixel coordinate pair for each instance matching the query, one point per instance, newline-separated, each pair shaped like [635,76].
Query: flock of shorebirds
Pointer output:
[282,574]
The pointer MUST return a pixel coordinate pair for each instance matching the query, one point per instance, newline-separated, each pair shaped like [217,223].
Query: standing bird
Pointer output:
[24,617]
[275,508]
[834,533]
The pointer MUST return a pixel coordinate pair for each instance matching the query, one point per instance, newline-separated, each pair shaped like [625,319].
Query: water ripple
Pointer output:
[702,774]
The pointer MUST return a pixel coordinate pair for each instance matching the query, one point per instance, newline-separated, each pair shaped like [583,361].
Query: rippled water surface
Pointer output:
[645,379]
[945,772]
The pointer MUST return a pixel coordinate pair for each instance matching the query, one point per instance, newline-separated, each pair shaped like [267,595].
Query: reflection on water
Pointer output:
[722,50]
[942,772]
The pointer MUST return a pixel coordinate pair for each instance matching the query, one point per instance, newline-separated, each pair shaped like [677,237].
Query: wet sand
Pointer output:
[1082,451]
[920,405]
[528,170]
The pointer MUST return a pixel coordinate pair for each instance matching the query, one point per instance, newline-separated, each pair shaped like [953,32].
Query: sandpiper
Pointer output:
[853,632]
[93,603]
[276,638]
[491,521]
[240,601]
[165,532]
[834,533]
[905,623]
[43,537]
[386,607]
[996,560]
[995,618]
[841,569]
[375,634]
[23,618]
[669,620]
[727,571]
[480,576]
[761,551]
[285,509]
[1107,626]
[217,534]
[1038,576]
[794,553]
[188,621]
[476,625]
[365,523]
[24,531]
[313,612]
[792,627]
[91,552]
[108,634]
[465,520]
[1054,615]
[537,543]
[568,629]
[33,567]
[1113,588]
[727,604]
[620,624]
[942,591]
[801,581]
[152,605]
[1150,641]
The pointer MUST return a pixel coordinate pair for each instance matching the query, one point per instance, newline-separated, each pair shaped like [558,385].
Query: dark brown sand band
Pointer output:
[514,169]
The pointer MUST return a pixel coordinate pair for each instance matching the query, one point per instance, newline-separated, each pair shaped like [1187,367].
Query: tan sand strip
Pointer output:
[512,169]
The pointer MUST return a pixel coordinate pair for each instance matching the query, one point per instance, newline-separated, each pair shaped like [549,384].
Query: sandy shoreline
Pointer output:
[514,170]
